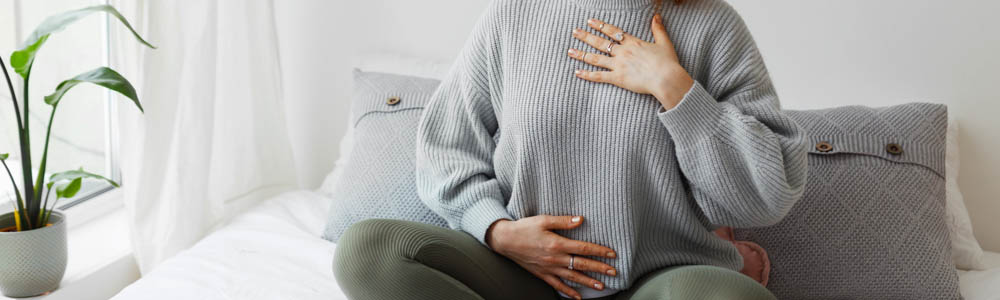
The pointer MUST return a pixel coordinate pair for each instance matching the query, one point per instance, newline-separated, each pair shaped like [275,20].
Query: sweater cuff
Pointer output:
[697,117]
[478,218]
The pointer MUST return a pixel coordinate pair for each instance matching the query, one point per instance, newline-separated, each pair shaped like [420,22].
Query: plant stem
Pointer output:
[45,203]
[17,218]
[19,207]
[22,138]
[31,202]
[45,155]
[13,97]
[12,181]
[48,213]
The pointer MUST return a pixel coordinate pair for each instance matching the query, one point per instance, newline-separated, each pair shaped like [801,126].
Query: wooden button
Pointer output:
[392,101]
[894,149]
[824,147]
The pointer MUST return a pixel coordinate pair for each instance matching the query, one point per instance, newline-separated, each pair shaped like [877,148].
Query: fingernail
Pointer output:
[611,254]
[611,272]
[576,219]
[572,52]
[592,21]
[597,286]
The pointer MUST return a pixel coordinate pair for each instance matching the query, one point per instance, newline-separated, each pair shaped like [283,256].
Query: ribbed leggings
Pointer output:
[391,259]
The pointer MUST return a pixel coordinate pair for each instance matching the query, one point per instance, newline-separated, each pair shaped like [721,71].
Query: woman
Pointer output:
[597,175]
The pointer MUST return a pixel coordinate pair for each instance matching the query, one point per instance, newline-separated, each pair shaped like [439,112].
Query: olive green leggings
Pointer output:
[391,259]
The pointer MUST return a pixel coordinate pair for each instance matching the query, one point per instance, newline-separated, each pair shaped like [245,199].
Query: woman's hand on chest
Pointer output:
[634,64]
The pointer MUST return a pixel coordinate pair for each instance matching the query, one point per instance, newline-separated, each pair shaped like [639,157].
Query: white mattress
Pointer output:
[274,251]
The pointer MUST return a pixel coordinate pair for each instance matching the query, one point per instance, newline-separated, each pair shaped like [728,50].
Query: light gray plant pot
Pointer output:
[32,262]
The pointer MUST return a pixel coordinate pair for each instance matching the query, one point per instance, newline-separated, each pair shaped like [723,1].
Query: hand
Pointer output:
[529,242]
[634,64]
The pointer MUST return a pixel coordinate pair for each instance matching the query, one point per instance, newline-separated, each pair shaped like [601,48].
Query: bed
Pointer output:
[273,251]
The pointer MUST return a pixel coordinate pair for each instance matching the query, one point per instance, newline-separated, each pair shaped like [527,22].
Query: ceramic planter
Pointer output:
[32,262]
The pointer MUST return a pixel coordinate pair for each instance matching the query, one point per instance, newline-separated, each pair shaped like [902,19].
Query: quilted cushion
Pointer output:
[871,224]
[378,180]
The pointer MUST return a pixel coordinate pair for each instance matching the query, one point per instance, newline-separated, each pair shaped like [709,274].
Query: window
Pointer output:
[82,132]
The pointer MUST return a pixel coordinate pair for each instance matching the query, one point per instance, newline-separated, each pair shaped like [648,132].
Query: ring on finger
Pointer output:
[571,259]
[611,46]
[619,36]
[584,56]
[602,26]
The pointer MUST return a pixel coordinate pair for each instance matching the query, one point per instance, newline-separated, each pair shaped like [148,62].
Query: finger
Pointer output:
[598,76]
[660,35]
[556,283]
[590,58]
[592,39]
[611,31]
[578,277]
[588,249]
[584,264]
[561,222]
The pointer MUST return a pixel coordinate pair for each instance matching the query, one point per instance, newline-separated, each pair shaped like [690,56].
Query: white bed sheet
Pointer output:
[983,284]
[274,251]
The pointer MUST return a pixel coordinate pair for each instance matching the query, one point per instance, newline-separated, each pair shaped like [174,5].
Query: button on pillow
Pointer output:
[871,224]
[378,180]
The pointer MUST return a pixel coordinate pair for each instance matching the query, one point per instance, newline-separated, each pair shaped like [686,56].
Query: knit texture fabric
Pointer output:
[871,224]
[378,180]
[511,133]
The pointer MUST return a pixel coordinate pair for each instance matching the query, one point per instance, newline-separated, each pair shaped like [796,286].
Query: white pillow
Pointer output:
[385,63]
[965,249]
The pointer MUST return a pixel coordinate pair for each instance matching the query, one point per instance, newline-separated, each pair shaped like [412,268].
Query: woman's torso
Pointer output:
[570,147]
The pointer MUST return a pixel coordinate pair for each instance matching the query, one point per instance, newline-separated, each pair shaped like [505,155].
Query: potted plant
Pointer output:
[33,235]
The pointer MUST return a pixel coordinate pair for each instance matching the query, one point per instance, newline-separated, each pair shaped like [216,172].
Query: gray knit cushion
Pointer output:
[378,179]
[872,223]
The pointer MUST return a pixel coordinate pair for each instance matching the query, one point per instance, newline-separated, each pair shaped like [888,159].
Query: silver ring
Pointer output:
[602,27]
[620,36]
[571,258]
[610,46]
[584,56]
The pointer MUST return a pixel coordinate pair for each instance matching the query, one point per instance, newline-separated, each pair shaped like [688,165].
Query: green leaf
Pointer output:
[76,174]
[22,59]
[4,156]
[69,190]
[102,76]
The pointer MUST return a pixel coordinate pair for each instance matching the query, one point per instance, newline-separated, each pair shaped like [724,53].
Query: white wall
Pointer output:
[820,53]
[321,40]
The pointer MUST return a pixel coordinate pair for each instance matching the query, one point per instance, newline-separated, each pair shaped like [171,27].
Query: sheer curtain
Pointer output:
[213,139]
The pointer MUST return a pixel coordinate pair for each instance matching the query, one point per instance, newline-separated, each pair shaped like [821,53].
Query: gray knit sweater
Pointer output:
[511,133]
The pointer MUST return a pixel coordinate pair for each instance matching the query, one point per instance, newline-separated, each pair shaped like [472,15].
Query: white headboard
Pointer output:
[820,54]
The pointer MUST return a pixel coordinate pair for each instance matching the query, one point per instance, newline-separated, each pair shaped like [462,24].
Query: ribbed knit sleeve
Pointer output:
[455,143]
[744,160]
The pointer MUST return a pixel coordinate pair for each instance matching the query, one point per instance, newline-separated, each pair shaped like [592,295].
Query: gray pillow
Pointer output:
[871,224]
[378,180]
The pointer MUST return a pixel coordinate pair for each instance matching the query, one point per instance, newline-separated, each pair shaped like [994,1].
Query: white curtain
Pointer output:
[213,138]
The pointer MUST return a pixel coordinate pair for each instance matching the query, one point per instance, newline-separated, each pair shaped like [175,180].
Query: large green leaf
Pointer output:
[76,174]
[22,59]
[69,190]
[102,76]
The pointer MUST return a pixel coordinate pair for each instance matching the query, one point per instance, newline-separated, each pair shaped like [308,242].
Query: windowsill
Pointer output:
[100,252]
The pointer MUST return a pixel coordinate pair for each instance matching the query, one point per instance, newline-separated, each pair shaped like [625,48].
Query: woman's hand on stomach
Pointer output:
[634,64]
[530,242]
